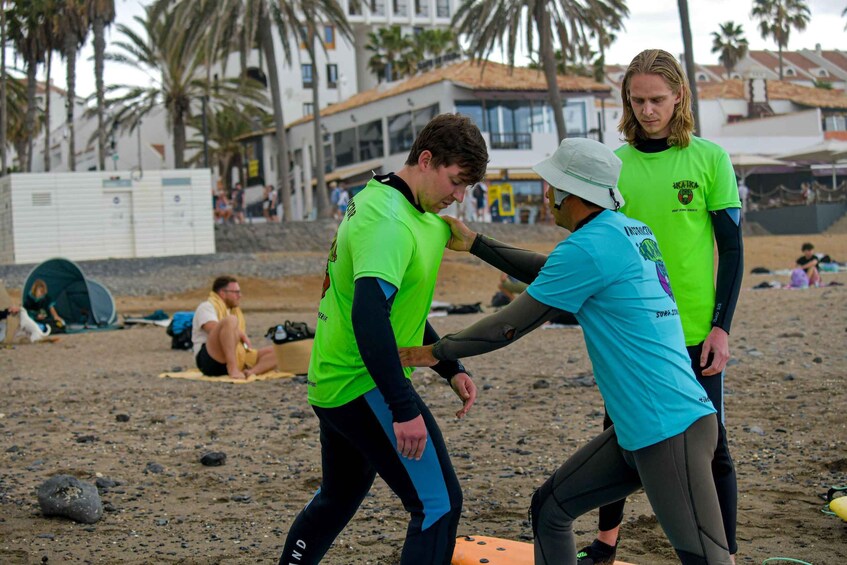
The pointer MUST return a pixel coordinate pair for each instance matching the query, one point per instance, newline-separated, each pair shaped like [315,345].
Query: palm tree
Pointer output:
[243,24]
[73,28]
[225,129]
[690,69]
[53,43]
[173,57]
[27,27]
[388,45]
[488,23]
[778,17]
[101,14]
[730,42]
[3,82]
[16,132]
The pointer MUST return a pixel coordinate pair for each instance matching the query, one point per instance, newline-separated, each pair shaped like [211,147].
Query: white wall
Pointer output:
[7,242]
[99,215]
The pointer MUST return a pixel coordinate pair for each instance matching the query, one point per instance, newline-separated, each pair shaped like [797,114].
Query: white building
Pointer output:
[373,130]
[100,215]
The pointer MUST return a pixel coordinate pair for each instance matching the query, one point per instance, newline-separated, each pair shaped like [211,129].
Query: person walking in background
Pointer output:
[379,284]
[334,195]
[479,193]
[238,203]
[684,188]
[610,273]
[343,201]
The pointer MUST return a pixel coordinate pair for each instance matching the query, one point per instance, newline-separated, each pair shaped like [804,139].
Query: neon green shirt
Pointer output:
[673,191]
[383,236]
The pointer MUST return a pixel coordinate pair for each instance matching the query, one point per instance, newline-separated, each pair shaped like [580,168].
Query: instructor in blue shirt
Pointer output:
[610,274]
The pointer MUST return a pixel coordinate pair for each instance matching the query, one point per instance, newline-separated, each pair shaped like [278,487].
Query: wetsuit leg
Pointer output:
[678,482]
[428,489]
[610,515]
[723,468]
[347,478]
[594,475]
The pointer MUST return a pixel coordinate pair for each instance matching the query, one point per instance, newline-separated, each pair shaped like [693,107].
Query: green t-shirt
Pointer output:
[673,191]
[384,236]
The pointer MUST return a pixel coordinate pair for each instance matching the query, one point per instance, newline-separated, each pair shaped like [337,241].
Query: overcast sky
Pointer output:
[652,24]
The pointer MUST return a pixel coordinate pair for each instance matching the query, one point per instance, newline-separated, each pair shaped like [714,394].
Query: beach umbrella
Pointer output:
[746,164]
[828,152]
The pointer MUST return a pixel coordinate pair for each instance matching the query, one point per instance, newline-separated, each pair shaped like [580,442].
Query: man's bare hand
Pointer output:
[461,236]
[411,437]
[464,386]
[417,356]
[716,343]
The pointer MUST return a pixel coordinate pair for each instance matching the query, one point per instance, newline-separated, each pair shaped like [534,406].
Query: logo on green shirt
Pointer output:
[685,191]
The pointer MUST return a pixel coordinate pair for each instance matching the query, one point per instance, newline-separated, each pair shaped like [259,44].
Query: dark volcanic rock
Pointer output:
[67,496]
[213,459]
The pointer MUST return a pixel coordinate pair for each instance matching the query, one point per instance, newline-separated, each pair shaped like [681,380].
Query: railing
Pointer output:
[511,140]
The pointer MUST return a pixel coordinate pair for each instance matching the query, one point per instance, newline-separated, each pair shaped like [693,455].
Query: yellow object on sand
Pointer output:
[472,550]
[196,375]
[839,506]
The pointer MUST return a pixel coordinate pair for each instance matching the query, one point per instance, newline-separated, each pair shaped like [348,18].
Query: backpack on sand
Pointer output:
[180,330]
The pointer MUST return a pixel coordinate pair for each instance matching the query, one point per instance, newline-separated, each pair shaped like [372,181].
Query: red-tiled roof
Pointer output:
[777,90]
[837,58]
[471,75]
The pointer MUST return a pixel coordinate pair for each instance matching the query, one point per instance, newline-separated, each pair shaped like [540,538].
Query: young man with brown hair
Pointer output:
[379,284]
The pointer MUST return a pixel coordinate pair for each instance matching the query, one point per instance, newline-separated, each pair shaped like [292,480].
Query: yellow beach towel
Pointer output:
[196,375]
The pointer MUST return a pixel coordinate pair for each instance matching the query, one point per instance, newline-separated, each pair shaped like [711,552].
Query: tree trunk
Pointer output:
[31,106]
[324,211]
[779,48]
[690,69]
[70,52]
[99,52]
[49,64]
[548,61]
[283,182]
[179,136]
[3,113]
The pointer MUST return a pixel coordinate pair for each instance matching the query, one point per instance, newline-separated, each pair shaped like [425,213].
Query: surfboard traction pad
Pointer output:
[473,550]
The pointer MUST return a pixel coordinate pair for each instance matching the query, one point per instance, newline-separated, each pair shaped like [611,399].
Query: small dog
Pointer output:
[31,328]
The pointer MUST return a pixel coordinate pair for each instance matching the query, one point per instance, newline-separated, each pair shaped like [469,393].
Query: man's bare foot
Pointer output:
[238,375]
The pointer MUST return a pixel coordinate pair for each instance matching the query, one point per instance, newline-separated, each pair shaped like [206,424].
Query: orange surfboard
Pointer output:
[473,550]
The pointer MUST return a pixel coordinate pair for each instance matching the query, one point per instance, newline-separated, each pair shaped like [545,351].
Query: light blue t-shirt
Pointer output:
[611,275]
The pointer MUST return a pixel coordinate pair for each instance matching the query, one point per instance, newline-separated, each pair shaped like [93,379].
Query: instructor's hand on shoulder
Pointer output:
[411,437]
[461,236]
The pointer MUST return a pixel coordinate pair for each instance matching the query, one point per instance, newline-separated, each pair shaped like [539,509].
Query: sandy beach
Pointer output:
[61,402]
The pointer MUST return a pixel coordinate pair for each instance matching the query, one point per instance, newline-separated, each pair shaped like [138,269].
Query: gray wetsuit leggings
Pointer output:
[676,474]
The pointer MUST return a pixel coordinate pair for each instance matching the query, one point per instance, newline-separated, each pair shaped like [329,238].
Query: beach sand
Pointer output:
[786,418]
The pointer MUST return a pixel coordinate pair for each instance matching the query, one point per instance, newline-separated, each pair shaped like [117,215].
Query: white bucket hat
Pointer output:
[586,168]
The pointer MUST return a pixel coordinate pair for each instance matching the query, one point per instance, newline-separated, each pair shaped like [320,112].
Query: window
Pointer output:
[403,127]
[822,73]
[308,108]
[355,8]
[471,109]
[422,8]
[345,147]
[306,72]
[442,8]
[329,37]
[401,8]
[332,75]
[370,141]
[790,72]
[378,7]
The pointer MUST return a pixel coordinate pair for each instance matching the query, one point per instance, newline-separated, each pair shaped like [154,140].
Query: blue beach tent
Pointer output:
[83,303]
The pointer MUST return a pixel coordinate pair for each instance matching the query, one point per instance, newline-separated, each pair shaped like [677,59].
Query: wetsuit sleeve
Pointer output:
[378,347]
[498,330]
[522,264]
[447,369]
[727,226]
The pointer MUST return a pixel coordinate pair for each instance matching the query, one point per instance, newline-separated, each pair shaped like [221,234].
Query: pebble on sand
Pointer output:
[68,497]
